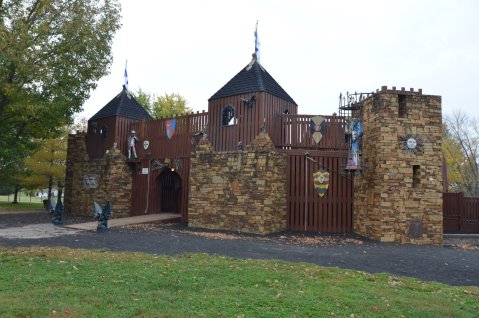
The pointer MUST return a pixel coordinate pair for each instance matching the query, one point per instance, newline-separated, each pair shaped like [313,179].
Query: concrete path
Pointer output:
[140,219]
[35,231]
[47,230]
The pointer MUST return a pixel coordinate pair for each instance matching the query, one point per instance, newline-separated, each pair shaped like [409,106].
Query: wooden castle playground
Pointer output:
[250,163]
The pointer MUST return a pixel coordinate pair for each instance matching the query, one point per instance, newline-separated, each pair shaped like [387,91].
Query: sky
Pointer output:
[314,49]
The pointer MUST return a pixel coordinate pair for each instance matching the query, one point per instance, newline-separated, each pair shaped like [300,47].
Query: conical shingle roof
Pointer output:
[253,78]
[124,104]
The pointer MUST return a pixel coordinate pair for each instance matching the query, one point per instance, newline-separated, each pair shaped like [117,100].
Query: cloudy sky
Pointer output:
[314,49]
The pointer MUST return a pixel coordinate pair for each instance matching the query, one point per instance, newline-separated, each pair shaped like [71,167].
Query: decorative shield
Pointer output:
[317,125]
[321,181]
[146,144]
[170,128]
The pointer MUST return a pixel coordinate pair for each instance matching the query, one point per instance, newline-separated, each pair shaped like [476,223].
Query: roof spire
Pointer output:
[253,59]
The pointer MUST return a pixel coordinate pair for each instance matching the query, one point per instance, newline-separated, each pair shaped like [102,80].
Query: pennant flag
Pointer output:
[256,42]
[126,75]
[321,181]
[170,128]
[317,125]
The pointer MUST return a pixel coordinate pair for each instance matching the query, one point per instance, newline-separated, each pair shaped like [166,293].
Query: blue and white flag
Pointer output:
[256,42]
[126,75]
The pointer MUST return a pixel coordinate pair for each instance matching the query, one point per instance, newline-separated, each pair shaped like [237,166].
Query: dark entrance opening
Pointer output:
[170,191]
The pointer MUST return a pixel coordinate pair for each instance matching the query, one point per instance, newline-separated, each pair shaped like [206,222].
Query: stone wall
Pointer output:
[241,191]
[398,195]
[100,180]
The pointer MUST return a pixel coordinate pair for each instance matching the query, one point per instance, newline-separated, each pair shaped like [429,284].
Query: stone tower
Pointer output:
[398,195]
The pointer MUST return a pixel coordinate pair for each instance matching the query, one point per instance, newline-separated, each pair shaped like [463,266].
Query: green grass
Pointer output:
[8,206]
[42,282]
[22,198]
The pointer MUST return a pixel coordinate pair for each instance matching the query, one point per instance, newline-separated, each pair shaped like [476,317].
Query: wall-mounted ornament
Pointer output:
[176,163]
[412,143]
[146,144]
[321,181]
[355,132]
[249,102]
[170,128]
[317,125]
[90,181]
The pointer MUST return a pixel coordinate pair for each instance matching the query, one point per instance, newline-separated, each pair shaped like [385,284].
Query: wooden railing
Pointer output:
[293,132]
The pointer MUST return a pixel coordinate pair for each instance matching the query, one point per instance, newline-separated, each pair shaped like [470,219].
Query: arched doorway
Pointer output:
[170,191]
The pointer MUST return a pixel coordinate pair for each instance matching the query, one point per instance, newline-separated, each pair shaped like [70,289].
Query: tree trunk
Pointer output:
[50,186]
[15,196]
[60,192]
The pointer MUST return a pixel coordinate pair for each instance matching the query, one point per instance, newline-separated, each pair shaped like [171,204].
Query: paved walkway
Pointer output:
[141,219]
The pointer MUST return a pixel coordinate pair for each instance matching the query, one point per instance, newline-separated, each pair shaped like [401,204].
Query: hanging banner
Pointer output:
[170,128]
[317,125]
[321,181]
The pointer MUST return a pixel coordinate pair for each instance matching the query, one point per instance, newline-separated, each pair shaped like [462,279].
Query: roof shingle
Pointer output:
[123,104]
[253,78]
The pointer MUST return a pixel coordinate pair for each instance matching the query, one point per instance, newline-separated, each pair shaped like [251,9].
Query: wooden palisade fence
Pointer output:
[461,214]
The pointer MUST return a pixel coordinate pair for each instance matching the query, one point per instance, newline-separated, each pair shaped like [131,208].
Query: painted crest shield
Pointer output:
[170,128]
[321,181]
[146,144]
[317,125]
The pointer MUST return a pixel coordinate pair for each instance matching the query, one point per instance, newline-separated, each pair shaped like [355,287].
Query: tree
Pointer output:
[461,149]
[46,166]
[145,99]
[52,53]
[168,105]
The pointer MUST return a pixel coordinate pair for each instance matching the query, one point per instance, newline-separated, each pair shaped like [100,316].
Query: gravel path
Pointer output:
[453,266]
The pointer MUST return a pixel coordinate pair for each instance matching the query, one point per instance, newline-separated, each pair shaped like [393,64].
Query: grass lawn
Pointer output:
[22,198]
[8,206]
[60,282]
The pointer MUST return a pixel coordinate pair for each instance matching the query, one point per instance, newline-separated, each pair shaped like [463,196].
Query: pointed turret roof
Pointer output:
[253,78]
[124,104]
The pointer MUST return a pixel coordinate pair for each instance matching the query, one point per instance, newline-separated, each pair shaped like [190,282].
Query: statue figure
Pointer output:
[102,216]
[57,214]
[355,130]
[132,140]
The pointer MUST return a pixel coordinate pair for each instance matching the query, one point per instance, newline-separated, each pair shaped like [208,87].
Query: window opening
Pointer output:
[416,176]
[402,110]
[228,117]
[103,132]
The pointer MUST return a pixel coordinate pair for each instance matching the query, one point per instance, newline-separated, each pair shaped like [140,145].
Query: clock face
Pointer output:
[411,143]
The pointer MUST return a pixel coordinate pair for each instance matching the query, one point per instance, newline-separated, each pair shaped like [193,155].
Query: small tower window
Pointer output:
[416,176]
[228,117]
[103,132]
[402,110]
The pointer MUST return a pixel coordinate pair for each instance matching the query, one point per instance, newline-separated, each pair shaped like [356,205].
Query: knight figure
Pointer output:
[355,130]
[132,140]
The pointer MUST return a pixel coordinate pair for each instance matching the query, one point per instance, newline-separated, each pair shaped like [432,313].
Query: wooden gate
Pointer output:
[460,214]
[307,211]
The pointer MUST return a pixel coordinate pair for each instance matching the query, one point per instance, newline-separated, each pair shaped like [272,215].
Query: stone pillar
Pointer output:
[398,195]
[242,191]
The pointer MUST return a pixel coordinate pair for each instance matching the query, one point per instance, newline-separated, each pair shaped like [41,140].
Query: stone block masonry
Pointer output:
[398,195]
[100,180]
[242,191]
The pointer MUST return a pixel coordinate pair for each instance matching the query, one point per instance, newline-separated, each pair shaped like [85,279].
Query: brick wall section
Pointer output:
[241,191]
[114,180]
[389,205]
